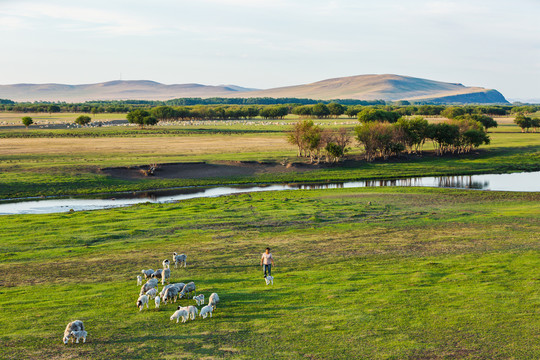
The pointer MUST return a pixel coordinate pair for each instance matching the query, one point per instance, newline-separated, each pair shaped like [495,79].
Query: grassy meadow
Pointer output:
[44,162]
[386,273]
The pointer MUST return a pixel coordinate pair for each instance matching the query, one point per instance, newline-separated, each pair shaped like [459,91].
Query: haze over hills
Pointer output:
[362,87]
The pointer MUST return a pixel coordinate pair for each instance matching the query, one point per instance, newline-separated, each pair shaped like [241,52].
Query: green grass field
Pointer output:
[44,162]
[418,274]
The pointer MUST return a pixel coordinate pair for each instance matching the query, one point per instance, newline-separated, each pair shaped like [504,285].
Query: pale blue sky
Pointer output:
[268,43]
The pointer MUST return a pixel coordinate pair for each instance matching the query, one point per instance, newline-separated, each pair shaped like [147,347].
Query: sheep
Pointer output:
[141,301]
[165,263]
[147,273]
[157,274]
[179,259]
[269,280]
[79,334]
[213,300]
[139,280]
[199,299]
[180,313]
[152,293]
[205,311]
[189,287]
[76,325]
[191,310]
[165,275]
[179,286]
[152,283]
[157,300]
[170,293]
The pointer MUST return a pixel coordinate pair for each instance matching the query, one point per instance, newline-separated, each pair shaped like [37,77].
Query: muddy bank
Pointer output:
[200,170]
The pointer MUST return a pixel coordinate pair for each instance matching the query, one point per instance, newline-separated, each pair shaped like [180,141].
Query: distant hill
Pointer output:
[386,87]
[361,87]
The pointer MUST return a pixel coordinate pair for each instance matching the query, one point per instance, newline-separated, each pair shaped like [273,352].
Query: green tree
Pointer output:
[141,117]
[83,120]
[486,121]
[336,109]
[373,114]
[453,111]
[524,122]
[53,109]
[320,110]
[27,121]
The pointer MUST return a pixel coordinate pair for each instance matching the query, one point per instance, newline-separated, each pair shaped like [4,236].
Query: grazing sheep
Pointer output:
[157,274]
[147,273]
[152,283]
[139,280]
[76,325]
[141,301]
[179,259]
[157,300]
[269,280]
[205,311]
[152,293]
[165,275]
[79,334]
[179,286]
[199,299]
[213,300]
[165,263]
[192,311]
[180,313]
[169,294]
[189,287]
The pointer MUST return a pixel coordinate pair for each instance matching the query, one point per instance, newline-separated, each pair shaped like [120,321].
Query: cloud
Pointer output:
[79,19]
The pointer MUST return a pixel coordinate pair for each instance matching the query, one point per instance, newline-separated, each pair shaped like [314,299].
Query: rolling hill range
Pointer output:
[362,87]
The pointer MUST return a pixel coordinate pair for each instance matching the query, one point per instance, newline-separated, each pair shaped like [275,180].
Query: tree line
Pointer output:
[384,133]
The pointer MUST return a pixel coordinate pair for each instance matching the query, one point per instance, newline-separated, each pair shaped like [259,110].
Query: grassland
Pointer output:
[42,162]
[416,274]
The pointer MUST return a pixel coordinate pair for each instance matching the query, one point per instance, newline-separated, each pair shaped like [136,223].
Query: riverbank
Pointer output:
[59,166]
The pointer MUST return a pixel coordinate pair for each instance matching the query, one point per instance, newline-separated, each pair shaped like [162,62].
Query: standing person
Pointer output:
[267,260]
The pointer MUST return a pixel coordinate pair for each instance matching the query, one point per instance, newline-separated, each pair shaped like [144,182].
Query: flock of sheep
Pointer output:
[75,329]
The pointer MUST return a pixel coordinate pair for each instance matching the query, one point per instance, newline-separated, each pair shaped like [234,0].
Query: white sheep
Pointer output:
[141,301]
[76,325]
[139,280]
[169,294]
[79,334]
[165,275]
[152,293]
[147,273]
[188,288]
[152,283]
[269,280]
[192,311]
[157,300]
[165,263]
[205,311]
[199,299]
[157,274]
[180,313]
[213,300]
[179,259]
[179,286]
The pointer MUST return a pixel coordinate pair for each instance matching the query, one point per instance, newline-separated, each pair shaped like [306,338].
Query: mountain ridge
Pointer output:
[388,87]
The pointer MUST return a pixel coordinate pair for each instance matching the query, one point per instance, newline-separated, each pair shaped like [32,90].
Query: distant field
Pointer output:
[391,273]
[10,118]
[52,162]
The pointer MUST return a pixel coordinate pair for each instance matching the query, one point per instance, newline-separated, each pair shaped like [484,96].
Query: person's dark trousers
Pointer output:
[267,270]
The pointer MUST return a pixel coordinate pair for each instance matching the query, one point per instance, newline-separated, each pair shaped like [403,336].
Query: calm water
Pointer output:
[499,182]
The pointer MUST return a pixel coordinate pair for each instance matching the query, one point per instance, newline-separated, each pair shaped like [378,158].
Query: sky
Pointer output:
[270,43]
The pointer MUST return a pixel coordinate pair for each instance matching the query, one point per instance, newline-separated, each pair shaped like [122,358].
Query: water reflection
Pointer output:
[498,182]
